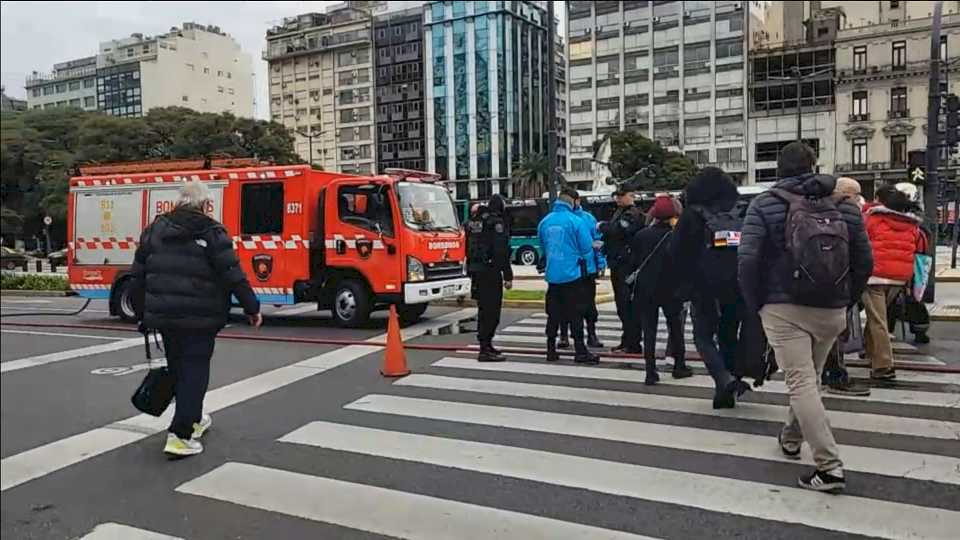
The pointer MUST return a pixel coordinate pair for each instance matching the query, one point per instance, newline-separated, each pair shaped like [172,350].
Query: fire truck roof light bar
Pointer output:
[406,174]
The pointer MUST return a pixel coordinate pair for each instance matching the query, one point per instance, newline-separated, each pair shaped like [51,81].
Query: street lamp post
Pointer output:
[799,77]
[309,136]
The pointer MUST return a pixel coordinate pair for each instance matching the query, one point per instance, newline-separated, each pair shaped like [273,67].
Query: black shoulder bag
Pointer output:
[155,392]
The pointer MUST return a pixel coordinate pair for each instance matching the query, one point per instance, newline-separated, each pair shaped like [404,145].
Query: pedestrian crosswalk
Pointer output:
[600,433]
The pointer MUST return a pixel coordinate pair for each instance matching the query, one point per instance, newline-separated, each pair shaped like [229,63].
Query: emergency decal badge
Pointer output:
[262,266]
[364,247]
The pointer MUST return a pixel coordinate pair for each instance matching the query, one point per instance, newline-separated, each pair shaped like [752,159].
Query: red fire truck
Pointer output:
[353,244]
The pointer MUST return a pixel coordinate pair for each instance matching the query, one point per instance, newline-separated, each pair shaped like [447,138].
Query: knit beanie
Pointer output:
[663,208]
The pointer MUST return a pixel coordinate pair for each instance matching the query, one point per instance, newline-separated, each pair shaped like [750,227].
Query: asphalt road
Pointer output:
[309,441]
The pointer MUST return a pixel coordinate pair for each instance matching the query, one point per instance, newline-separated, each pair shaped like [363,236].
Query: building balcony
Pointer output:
[37,79]
[864,117]
[900,113]
[887,70]
[870,166]
[731,166]
[293,48]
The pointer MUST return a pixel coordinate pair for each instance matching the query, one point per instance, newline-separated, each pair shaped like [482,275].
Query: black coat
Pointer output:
[655,280]
[764,265]
[185,269]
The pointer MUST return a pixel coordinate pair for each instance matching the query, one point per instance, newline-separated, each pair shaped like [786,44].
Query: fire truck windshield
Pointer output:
[426,207]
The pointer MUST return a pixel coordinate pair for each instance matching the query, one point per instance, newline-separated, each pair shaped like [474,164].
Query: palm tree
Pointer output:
[530,174]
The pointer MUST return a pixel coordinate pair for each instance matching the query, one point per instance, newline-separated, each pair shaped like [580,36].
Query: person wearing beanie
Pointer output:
[653,290]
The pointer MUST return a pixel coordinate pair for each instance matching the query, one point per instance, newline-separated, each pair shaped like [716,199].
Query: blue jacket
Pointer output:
[598,258]
[566,244]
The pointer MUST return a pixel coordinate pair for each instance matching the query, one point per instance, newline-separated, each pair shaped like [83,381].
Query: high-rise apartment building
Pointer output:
[321,76]
[882,83]
[69,84]
[195,66]
[485,92]
[399,114]
[673,71]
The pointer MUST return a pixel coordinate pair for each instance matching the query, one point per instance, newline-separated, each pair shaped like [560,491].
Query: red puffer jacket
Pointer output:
[895,238]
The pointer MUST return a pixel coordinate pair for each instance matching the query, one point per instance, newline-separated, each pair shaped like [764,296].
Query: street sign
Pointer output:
[47,220]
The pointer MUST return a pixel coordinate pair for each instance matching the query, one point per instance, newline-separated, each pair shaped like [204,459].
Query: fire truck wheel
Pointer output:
[527,256]
[411,313]
[124,302]
[351,303]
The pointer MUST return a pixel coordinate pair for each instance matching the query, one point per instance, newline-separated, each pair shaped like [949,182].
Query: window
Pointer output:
[206,70]
[61,88]
[859,152]
[88,83]
[898,102]
[894,4]
[943,47]
[860,58]
[74,85]
[262,208]
[366,207]
[728,155]
[47,90]
[899,54]
[75,102]
[859,106]
[898,151]
[89,101]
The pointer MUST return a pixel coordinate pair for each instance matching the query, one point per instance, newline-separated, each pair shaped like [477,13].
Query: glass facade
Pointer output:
[487,61]
[119,90]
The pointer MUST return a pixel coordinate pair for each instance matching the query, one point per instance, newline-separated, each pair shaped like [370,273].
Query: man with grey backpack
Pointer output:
[803,259]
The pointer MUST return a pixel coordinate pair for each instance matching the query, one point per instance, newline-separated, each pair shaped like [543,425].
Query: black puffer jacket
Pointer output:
[689,241]
[763,262]
[654,281]
[184,271]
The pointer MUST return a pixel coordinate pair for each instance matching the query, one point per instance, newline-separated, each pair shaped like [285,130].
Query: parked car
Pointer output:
[12,259]
[58,258]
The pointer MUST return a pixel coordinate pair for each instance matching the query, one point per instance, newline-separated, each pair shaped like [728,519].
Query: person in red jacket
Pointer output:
[895,237]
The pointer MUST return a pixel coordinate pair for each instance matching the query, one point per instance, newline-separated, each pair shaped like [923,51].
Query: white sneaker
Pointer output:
[180,447]
[201,427]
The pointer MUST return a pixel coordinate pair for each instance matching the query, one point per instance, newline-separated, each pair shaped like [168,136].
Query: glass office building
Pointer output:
[485,91]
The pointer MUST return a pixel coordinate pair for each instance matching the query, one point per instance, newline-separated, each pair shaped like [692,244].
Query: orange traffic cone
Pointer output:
[394,359]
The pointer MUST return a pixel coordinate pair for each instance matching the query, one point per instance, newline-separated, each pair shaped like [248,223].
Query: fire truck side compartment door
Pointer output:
[107,225]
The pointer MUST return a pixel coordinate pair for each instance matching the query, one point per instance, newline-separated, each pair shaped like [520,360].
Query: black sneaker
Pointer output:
[788,452]
[828,481]
[921,338]
[883,374]
[724,399]
[587,358]
[489,355]
[594,342]
[847,388]
[552,355]
[682,372]
[652,377]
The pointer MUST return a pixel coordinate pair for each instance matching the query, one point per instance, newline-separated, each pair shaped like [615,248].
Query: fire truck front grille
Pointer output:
[443,270]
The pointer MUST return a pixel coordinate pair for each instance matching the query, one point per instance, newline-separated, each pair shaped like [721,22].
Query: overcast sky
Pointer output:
[36,35]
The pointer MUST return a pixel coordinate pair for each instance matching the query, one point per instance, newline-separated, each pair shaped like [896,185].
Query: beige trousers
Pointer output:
[801,337]
[876,335]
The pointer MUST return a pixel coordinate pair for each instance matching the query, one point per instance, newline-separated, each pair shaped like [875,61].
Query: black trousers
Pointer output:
[589,301]
[188,358]
[648,312]
[631,334]
[717,333]
[565,308]
[489,297]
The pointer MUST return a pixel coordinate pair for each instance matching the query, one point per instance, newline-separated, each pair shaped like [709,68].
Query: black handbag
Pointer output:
[155,392]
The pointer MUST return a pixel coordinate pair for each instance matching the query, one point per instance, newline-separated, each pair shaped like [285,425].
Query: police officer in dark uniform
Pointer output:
[625,222]
[488,263]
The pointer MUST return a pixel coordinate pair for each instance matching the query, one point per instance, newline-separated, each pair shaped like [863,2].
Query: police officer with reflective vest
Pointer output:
[488,263]
[625,222]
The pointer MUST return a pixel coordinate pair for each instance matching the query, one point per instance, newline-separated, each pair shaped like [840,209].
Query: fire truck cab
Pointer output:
[353,244]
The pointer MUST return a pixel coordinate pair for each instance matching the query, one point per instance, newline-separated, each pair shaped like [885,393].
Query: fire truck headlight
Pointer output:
[415,270]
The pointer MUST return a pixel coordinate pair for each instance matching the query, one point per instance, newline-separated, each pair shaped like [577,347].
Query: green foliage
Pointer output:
[631,152]
[33,282]
[530,174]
[40,149]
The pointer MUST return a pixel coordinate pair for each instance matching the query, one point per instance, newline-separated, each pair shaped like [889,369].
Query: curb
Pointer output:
[19,292]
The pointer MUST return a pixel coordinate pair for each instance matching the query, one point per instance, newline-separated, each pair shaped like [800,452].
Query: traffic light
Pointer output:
[953,119]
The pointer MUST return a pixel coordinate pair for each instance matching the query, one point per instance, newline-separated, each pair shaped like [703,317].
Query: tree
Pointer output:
[530,174]
[633,155]
[40,150]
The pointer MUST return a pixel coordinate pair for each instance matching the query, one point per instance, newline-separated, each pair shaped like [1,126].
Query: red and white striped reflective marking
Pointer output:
[213,175]
[271,290]
[104,243]
[331,243]
[270,242]
[88,286]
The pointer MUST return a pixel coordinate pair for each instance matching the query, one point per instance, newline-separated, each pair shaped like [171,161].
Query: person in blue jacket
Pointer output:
[569,258]
[590,282]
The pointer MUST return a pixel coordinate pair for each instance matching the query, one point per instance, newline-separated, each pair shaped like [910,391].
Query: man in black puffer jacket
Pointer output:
[800,332]
[185,270]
